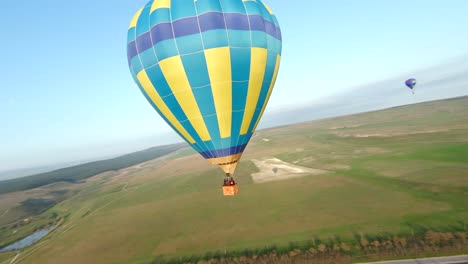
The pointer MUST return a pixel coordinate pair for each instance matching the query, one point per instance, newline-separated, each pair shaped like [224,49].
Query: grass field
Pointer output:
[395,171]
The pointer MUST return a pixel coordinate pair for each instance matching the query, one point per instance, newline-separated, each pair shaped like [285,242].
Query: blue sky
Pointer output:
[67,93]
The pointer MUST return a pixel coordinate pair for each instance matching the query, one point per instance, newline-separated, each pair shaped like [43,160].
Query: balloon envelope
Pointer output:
[208,68]
[411,83]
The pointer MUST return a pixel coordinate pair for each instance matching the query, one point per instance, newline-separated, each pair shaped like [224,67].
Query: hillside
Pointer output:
[83,171]
[388,173]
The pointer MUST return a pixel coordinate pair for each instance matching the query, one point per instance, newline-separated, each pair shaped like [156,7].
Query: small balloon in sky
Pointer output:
[411,83]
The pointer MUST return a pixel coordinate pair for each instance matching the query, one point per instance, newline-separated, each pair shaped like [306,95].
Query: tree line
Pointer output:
[334,250]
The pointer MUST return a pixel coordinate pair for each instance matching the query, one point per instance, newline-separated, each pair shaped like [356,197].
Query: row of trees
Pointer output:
[362,248]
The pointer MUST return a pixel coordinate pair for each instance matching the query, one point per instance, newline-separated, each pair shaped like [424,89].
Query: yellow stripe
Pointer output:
[174,73]
[226,159]
[158,101]
[268,8]
[160,4]
[218,61]
[273,80]
[257,72]
[135,18]
[227,164]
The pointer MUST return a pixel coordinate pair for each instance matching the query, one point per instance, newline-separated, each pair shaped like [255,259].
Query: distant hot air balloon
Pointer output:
[208,68]
[411,83]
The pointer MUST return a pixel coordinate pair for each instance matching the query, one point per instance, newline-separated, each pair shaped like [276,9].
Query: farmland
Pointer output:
[396,171]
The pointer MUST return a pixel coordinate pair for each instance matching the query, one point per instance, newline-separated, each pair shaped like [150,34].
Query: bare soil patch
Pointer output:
[273,169]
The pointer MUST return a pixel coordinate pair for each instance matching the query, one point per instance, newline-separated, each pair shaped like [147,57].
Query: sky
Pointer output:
[67,93]
[447,80]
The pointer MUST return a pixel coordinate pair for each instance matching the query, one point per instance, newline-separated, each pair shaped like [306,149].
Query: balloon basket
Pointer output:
[230,190]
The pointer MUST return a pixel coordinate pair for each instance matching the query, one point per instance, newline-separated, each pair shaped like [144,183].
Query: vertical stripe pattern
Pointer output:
[208,67]
[219,68]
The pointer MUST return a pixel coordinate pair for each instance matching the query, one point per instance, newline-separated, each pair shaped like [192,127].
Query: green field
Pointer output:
[396,171]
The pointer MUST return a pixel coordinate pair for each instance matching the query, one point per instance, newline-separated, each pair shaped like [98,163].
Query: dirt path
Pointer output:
[450,259]
[273,169]
[16,259]
[13,260]
[6,211]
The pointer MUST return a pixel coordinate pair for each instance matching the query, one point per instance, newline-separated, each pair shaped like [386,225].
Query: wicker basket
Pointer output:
[230,190]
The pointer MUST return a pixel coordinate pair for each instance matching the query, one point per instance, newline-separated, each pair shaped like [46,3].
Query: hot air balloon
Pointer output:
[208,67]
[411,83]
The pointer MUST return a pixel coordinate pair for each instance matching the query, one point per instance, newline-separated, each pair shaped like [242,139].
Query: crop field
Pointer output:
[395,171]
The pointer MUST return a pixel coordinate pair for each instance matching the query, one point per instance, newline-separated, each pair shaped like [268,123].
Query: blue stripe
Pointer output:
[276,24]
[225,143]
[196,70]
[271,29]
[179,114]
[212,20]
[161,32]
[243,140]
[202,153]
[236,124]
[257,23]
[236,22]
[209,146]
[185,27]
[275,21]
[238,104]
[211,123]
[239,96]
[159,82]
[131,52]
[240,68]
[223,152]
[240,64]
[143,42]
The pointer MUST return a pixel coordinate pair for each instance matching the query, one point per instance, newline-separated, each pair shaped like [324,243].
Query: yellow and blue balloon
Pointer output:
[208,68]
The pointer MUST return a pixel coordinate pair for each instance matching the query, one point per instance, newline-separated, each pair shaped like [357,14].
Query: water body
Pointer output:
[29,240]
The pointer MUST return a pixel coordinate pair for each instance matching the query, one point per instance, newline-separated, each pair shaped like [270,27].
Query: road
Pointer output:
[460,259]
